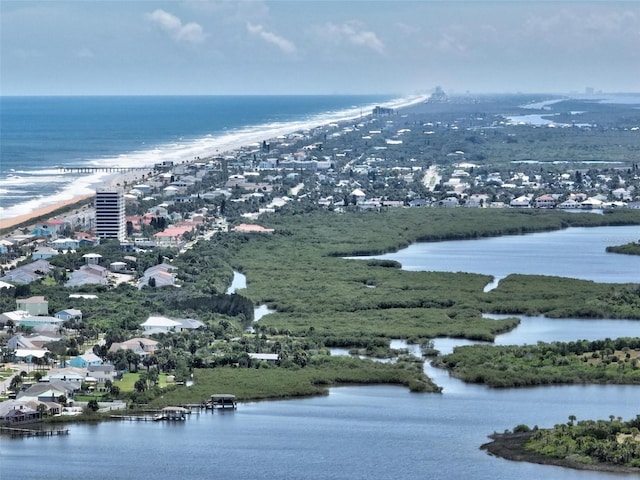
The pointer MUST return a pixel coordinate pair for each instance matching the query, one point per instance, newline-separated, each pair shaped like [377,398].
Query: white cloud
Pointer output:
[189,33]
[282,43]
[353,33]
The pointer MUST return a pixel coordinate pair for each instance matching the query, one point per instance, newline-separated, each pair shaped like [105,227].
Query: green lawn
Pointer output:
[129,379]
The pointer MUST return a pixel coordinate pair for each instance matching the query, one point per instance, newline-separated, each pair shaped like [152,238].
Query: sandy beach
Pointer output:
[221,146]
[40,212]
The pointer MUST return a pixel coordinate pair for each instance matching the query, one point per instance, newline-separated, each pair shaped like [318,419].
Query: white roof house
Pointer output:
[161,323]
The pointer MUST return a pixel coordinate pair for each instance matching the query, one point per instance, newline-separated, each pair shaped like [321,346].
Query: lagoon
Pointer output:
[574,252]
[373,432]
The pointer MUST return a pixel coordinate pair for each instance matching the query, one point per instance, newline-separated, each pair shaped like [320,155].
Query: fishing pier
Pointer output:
[79,169]
[28,432]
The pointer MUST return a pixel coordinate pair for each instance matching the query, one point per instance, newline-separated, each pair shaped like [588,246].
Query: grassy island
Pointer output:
[601,361]
[632,248]
[603,445]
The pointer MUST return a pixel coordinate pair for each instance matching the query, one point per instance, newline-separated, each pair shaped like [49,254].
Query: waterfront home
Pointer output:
[14,413]
[569,204]
[265,357]
[36,305]
[49,391]
[521,202]
[545,201]
[448,202]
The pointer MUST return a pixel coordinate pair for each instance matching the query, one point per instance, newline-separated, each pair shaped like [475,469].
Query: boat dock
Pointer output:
[27,432]
[221,400]
[167,413]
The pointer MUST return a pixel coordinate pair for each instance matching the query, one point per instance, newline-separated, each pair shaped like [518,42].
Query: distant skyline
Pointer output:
[220,47]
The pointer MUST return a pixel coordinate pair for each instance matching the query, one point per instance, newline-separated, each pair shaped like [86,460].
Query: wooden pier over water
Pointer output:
[28,432]
[79,169]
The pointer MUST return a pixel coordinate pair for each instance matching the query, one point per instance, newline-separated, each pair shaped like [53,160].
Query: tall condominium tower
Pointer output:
[110,219]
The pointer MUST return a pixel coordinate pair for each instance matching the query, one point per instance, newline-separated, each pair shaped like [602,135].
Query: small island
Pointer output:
[632,248]
[602,445]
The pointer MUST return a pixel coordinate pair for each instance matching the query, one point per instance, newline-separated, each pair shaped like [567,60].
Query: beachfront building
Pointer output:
[110,217]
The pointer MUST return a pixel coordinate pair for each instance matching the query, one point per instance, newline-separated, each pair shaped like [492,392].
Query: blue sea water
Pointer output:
[40,134]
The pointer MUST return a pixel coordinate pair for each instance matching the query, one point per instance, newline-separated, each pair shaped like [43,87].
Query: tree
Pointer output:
[93,406]
[15,383]
[140,385]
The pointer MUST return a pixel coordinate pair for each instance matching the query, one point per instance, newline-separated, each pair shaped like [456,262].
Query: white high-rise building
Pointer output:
[110,217]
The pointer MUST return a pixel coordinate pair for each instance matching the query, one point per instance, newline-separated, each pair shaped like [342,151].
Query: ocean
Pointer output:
[41,134]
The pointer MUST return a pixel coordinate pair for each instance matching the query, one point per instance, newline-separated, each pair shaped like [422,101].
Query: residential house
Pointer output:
[36,305]
[71,377]
[15,317]
[157,324]
[163,275]
[70,314]
[520,202]
[37,341]
[448,202]
[102,373]
[265,357]
[49,391]
[66,244]
[36,320]
[88,274]
[545,201]
[85,360]
[28,355]
[42,253]
[162,324]
[141,346]
[251,228]
[569,204]
[14,413]
[20,276]
[92,258]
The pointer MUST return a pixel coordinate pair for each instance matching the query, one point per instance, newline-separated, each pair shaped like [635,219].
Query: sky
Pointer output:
[264,47]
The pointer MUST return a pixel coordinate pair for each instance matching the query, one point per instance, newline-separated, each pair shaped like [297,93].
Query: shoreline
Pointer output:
[223,146]
[31,217]
[511,446]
